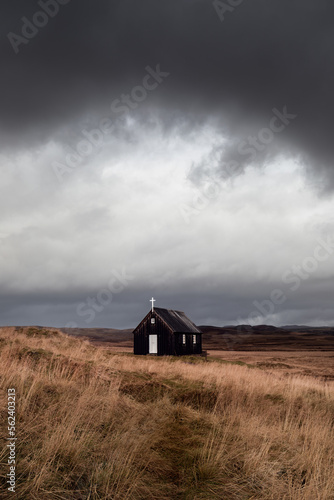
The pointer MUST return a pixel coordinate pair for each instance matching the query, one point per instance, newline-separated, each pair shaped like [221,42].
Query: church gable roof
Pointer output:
[177,320]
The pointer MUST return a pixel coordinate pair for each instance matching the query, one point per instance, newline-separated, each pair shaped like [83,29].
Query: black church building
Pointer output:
[167,332]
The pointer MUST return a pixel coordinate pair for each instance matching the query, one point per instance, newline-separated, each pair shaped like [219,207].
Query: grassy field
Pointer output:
[96,424]
[258,338]
[317,363]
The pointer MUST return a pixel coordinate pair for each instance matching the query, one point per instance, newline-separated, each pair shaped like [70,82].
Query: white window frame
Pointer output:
[194,339]
[152,321]
[183,338]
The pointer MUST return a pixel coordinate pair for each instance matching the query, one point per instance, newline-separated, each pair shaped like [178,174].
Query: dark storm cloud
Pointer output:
[233,303]
[263,55]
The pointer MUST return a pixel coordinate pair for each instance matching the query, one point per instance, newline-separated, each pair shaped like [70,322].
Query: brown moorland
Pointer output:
[96,424]
[296,349]
[242,338]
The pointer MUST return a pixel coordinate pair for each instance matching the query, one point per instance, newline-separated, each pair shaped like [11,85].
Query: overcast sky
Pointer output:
[175,148]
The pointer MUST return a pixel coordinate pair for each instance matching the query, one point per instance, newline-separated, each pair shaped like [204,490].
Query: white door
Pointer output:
[153,344]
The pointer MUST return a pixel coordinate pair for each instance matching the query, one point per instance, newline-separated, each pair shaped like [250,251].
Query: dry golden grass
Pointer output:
[93,424]
[319,364]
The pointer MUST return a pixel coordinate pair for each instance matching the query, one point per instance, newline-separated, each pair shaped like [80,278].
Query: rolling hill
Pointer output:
[236,338]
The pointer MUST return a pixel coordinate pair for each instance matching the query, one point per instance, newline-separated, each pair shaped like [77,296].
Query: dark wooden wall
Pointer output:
[168,343]
[189,347]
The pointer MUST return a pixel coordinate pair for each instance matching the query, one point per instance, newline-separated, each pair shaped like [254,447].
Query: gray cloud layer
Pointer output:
[225,78]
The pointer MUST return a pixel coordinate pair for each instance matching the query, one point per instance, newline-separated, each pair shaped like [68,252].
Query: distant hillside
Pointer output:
[267,337]
[98,335]
[239,338]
